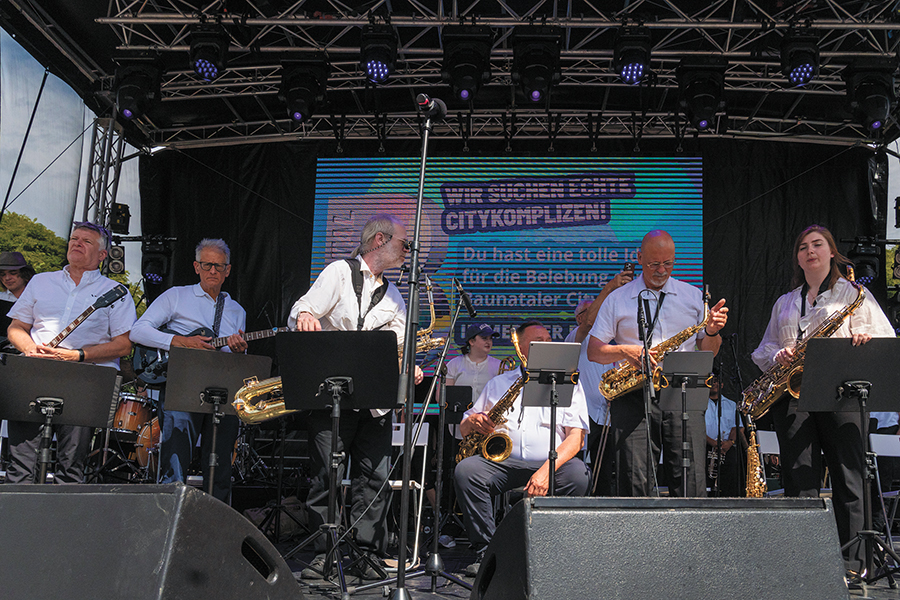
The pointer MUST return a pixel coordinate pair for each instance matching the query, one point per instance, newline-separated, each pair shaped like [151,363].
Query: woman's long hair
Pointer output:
[836,261]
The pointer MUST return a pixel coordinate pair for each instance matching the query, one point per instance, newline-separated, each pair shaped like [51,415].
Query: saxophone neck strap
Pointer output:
[356,278]
[652,326]
[803,292]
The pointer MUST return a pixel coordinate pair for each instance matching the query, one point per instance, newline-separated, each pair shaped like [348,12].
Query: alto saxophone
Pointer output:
[260,401]
[497,446]
[756,476]
[779,379]
[626,378]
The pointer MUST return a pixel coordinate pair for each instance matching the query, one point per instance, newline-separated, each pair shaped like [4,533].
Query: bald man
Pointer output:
[670,306]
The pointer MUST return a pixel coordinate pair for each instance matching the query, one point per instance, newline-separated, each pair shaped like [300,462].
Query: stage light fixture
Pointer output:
[209,46]
[631,55]
[867,265]
[799,57]
[155,266]
[378,52]
[137,88]
[870,90]
[120,218]
[536,59]
[467,58]
[701,82]
[303,85]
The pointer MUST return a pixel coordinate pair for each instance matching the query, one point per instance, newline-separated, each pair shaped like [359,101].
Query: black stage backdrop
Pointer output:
[757,197]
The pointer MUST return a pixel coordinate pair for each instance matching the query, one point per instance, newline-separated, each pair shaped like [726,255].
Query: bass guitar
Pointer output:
[151,364]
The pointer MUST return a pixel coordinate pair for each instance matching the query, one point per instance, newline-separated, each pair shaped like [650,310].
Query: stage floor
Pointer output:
[456,559]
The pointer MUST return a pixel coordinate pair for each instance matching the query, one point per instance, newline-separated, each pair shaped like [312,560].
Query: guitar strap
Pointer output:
[357,280]
[220,308]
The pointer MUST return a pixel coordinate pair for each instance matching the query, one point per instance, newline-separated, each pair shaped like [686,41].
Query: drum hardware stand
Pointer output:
[49,407]
[217,397]
[248,461]
[276,509]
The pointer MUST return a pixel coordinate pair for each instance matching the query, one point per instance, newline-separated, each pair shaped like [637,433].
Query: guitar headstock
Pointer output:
[111,296]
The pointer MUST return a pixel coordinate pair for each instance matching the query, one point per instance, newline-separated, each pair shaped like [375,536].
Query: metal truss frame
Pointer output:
[105,166]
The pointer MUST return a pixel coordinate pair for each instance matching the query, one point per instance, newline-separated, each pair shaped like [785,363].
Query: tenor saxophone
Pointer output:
[626,378]
[497,446]
[780,380]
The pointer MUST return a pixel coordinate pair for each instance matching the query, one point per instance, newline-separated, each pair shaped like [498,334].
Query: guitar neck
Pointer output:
[249,336]
[72,326]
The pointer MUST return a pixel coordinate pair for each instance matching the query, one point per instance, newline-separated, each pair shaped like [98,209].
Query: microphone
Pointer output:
[431,107]
[464,295]
[641,322]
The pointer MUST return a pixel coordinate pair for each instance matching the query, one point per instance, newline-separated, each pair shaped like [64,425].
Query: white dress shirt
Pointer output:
[783,325]
[590,374]
[529,428]
[681,308]
[51,301]
[332,300]
[185,309]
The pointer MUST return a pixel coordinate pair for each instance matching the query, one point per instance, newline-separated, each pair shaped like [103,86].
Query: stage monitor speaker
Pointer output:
[133,541]
[666,548]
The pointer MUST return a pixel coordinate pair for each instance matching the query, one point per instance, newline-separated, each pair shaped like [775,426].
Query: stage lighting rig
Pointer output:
[867,263]
[870,90]
[378,52]
[631,55]
[303,85]
[467,58]
[156,258]
[799,57]
[536,59]
[701,82]
[137,88]
[209,47]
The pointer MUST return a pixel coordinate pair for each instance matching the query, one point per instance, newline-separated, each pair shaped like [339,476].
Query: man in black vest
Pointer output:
[353,295]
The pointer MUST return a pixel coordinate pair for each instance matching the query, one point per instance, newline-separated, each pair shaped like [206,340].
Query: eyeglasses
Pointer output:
[406,244]
[206,266]
[656,265]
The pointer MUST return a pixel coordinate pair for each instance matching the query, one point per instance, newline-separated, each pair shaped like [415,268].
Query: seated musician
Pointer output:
[477,478]
[15,274]
[186,309]
[49,303]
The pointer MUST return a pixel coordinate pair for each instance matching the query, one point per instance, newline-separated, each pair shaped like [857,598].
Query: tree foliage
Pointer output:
[42,249]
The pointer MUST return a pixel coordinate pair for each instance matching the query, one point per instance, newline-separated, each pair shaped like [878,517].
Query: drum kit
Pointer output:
[130,449]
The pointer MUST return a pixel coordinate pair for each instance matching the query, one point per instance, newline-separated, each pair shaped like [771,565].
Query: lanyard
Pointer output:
[662,297]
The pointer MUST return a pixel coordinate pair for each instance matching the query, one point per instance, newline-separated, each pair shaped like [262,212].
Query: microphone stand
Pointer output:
[744,446]
[407,370]
[649,391]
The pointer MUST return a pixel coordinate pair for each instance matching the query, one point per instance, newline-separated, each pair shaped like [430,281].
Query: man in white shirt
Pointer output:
[478,479]
[50,302]
[670,306]
[334,304]
[184,310]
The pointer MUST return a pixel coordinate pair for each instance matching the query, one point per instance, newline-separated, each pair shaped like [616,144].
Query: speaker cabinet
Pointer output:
[666,548]
[133,542]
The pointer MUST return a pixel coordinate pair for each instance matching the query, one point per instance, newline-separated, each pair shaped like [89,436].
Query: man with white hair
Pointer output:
[47,305]
[185,309]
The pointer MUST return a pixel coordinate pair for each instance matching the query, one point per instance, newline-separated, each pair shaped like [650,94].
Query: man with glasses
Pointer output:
[354,295]
[47,305]
[185,310]
[669,306]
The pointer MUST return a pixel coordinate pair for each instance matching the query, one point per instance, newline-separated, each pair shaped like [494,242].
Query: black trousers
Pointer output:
[804,438]
[72,447]
[367,442]
[634,476]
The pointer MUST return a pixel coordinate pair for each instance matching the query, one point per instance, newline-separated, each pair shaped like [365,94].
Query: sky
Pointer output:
[59,142]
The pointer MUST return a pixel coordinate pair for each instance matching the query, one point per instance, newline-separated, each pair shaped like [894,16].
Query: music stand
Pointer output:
[689,371]
[554,364]
[201,381]
[321,370]
[838,377]
[37,390]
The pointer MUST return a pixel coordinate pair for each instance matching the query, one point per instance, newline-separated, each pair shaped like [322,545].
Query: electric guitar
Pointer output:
[102,302]
[152,364]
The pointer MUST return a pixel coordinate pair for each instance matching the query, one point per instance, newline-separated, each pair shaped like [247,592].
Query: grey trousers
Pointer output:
[72,447]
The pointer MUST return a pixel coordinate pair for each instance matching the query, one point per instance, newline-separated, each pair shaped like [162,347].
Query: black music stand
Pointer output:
[687,373]
[37,390]
[337,370]
[838,377]
[202,381]
[554,364]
